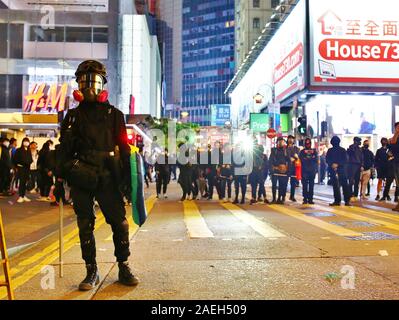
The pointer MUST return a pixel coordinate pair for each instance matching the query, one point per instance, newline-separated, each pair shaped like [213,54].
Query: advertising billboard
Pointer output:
[220,114]
[354,43]
[261,122]
[289,54]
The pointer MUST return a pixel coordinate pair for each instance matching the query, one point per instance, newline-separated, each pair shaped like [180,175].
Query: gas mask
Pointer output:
[91,79]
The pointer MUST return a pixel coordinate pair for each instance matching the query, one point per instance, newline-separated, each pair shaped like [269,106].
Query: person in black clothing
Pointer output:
[323,167]
[226,176]
[22,160]
[309,160]
[384,165]
[394,149]
[185,180]
[162,174]
[366,170]
[279,166]
[46,181]
[240,177]
[293,153]
[337,160]
[262,180]
[51,169]
[256,176]
[5,167]
[95,160]
[213,171]
[355,165]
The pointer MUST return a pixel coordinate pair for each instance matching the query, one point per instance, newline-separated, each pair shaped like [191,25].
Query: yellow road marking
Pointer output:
[340,231]
[195,223]
[48,259]
[259,226]
[133,228]
[383,223]
[375,213]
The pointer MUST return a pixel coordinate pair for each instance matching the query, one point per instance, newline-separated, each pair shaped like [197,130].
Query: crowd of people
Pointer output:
[25,169]
[350,170]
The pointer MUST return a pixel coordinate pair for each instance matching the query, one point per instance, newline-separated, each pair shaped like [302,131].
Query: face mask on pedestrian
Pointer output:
[6,144]
[26,144]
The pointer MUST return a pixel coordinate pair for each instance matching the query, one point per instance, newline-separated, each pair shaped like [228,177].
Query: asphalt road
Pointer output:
[213,250]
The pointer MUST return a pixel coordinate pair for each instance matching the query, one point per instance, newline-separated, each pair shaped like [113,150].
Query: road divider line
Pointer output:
[380,214]
[354,216]
[260,227]
[195,223]
[340,231]
[48,254]
[133,228]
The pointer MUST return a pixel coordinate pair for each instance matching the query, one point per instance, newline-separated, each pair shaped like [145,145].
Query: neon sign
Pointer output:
[48,98]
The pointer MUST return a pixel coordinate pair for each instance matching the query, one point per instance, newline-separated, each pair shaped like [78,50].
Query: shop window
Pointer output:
[16,33]
[100,35]
[11,98]
[46,35]
[78,34]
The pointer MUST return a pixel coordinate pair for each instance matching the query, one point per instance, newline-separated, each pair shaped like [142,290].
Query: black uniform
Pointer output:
[384,164]
[226,175]
[162,170]
[279,159]
[239,177]
[256,176]
[355,163]
[45,180]
[309,160]
[5,168]
[22,160]
[338,155]
[90,134]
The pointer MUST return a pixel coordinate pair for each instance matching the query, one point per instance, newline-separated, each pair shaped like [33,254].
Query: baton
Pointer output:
[61,239]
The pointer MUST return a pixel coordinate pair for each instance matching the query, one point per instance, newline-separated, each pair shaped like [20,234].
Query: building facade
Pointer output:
[41,46]
[208,57]
[169,30]
[251,17]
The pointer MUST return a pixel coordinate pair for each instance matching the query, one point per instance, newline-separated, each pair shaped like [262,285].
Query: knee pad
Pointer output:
[86,225]
[121,227]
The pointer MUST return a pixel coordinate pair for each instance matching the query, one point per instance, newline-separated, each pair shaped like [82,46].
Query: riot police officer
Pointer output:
[94,158]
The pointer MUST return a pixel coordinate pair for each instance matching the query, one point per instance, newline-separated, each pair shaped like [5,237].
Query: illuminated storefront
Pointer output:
[342,69]
[41,46]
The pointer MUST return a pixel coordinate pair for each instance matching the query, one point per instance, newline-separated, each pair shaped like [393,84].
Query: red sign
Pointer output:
[292,61]
[271,133]
[359,50]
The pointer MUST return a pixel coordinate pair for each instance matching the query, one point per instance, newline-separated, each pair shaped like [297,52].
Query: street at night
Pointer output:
[199,158]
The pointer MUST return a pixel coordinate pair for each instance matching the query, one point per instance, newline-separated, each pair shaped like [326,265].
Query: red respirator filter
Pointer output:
[78,96]
[102,96]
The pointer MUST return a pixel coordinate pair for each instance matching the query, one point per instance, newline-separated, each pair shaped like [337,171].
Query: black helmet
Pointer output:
[92,66]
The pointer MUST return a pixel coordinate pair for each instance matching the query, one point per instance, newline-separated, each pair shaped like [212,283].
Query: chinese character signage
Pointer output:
[220,114]
[355,43]
[290,54]
[44,98]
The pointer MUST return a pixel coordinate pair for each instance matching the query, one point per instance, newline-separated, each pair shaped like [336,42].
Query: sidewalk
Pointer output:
[27,223]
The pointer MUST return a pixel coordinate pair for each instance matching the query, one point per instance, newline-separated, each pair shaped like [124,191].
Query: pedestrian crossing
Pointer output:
[262,228]
[195,218]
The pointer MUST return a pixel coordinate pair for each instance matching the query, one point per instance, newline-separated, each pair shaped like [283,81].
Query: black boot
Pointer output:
[92,278]
[126,276]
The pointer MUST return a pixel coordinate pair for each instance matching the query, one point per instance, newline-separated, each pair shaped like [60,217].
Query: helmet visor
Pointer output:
[91,81]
